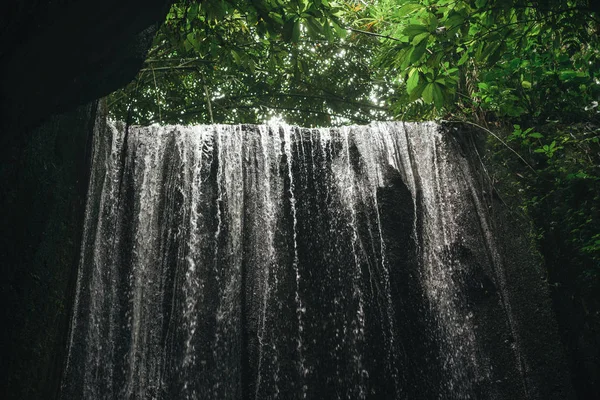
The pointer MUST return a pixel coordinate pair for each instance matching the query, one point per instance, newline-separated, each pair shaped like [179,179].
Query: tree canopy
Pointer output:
[320,63]
[501,58]
[235,61]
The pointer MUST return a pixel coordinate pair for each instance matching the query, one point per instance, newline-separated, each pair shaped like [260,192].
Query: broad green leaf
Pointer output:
[490,48]
[314,27]
[277,17]
[412,30]
[495,56]
[453,21]
[296,32]
[428,93]
[418,52]
[340,31]
[413,80]
[432,23]
[418,91]
[419,38]
[438,95]
[570,74]
[193,11]
[327,31]
[463,59]
[407,9]
[236,57]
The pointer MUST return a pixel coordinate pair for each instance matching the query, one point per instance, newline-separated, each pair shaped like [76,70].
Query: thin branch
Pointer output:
[159,69]
[157,92]
[308,111]
[373,34]
[497,137]
[333,97]
[492,187]
[210,113]
[181,61]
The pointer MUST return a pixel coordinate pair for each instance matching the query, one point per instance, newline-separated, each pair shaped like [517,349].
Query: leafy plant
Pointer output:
[233,61]
[475,58]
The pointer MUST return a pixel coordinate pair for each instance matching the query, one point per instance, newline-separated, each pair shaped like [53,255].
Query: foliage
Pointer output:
[472,58]
[235,61]
[562,189]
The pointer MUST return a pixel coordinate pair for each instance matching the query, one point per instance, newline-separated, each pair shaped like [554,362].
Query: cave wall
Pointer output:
[56,59]
[521,286]
[42,203]
[56,55]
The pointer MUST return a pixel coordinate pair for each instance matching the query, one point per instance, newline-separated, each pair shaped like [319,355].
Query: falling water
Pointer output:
[276,262]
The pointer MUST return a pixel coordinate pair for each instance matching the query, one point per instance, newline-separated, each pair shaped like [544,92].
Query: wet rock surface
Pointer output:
[252,262]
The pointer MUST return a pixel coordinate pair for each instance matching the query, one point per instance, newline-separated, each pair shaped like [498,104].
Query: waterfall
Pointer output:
[277,262]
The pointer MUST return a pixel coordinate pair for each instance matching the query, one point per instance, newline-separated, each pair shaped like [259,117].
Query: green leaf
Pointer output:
[419,38]
[497,54]
[288,30]
[526,84]
[568,75]
[413,30]
[327,31]
[236,57]
[463,59]
[276,17]
[416,93]
[296,32]
[413,80]
[418,52]
[454,20]
[438,95]
[193,42]
[428,93]
[193,11]
[432,22]
[407,9]
[490,48]
[340,31]
[314,27]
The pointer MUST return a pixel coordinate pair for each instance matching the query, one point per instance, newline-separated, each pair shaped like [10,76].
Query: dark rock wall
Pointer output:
[42,203]
[239,262]
[580,336]
[521,286]
[55,56]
